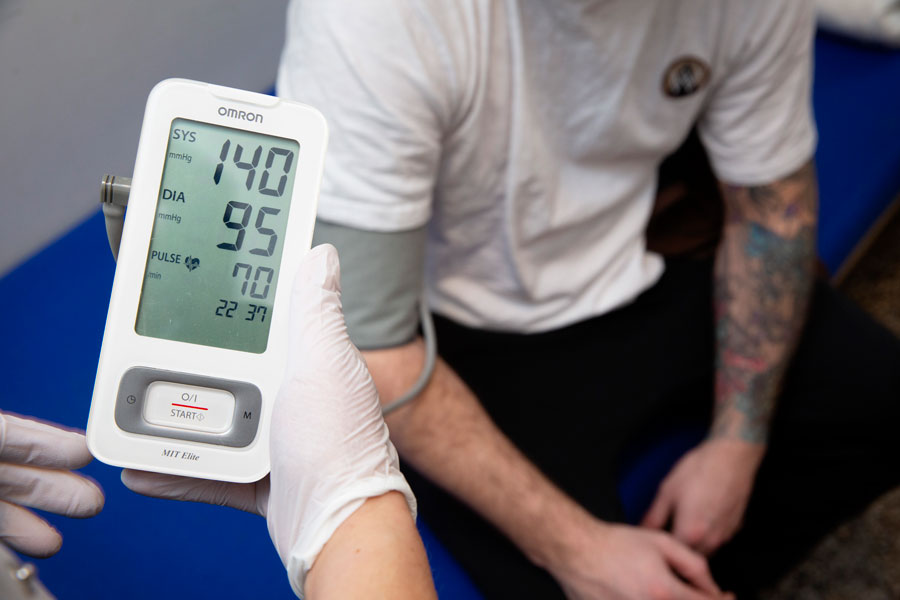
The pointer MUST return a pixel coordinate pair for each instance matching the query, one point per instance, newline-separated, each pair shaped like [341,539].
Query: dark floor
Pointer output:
[861,560]
[874,283]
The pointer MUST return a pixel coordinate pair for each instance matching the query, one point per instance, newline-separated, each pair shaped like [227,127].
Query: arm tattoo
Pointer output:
[763,280]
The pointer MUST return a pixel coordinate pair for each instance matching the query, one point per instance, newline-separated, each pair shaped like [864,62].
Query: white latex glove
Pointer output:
[330,449]
[35,471]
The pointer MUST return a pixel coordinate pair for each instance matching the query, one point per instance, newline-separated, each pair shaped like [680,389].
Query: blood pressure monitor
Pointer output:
[220,212]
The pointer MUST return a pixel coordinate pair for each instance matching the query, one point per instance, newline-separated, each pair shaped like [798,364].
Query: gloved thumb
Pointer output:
[320,270]
[321,357]
[326,380]
[316,313]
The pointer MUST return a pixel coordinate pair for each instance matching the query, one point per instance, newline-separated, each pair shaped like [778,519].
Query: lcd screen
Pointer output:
[218,233]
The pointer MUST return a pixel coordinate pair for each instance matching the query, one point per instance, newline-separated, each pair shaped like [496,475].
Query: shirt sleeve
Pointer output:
[376,71]
[758,125]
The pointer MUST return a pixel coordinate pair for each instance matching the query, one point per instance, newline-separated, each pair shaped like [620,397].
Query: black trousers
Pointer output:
[576,399]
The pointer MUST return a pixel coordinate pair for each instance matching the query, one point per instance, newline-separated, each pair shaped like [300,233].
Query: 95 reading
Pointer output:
[215,251]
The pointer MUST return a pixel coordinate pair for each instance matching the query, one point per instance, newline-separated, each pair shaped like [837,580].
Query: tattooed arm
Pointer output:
[763,278]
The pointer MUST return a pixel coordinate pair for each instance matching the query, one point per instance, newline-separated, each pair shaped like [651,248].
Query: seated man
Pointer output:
[507,152]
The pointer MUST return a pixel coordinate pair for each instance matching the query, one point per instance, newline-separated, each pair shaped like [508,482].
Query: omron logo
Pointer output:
[240,114]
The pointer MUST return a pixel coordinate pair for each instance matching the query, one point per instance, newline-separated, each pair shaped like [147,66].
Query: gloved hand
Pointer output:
[330,449]
[36,460]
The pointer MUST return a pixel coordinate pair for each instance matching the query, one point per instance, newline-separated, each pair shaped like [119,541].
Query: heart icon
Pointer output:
[191,263]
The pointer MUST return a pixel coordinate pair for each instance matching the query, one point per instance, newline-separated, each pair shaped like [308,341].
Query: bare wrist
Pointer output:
[748,454]
[566,540]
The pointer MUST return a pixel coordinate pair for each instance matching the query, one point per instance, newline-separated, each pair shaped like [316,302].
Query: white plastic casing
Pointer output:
[124,349]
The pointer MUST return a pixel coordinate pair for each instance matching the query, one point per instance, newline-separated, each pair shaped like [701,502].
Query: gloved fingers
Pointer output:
[249,497]
[25,532]
[54,490]
[26,441]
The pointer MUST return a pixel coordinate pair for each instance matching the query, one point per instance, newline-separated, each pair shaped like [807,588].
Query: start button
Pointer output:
[189,407]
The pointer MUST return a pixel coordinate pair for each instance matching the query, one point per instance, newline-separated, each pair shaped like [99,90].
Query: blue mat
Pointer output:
[857,103]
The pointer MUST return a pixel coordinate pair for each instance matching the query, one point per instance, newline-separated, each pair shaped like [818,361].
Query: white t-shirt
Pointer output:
[527,134]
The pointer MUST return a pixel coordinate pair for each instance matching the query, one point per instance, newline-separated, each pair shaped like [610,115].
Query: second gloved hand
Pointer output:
[36,462]
[330,449]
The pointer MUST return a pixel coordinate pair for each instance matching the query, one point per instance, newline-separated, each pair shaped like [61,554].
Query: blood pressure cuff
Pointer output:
[382,277]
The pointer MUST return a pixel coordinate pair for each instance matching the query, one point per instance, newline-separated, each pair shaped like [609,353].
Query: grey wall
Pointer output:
[74,77]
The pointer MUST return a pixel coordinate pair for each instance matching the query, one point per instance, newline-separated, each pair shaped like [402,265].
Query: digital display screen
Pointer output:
[218,232]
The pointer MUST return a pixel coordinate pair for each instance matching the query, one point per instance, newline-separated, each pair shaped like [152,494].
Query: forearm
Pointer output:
[447,436]
[763,278]
[375,553]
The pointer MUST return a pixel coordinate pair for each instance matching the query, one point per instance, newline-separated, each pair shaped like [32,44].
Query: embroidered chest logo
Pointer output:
[684,77]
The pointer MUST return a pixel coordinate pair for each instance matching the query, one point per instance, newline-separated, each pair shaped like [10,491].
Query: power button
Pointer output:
[189,407]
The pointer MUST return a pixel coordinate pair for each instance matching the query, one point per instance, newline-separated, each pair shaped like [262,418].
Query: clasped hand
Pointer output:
[703,499]
[706,493]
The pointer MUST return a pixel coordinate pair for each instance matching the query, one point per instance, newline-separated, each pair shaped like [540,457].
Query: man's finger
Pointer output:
[691,565]
[689,529]
[698,532]
[686,592]
[708,545]
[25,532]
[242,496]
[658,513]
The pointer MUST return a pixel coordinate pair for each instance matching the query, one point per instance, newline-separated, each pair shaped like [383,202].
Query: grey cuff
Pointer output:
[382,276]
